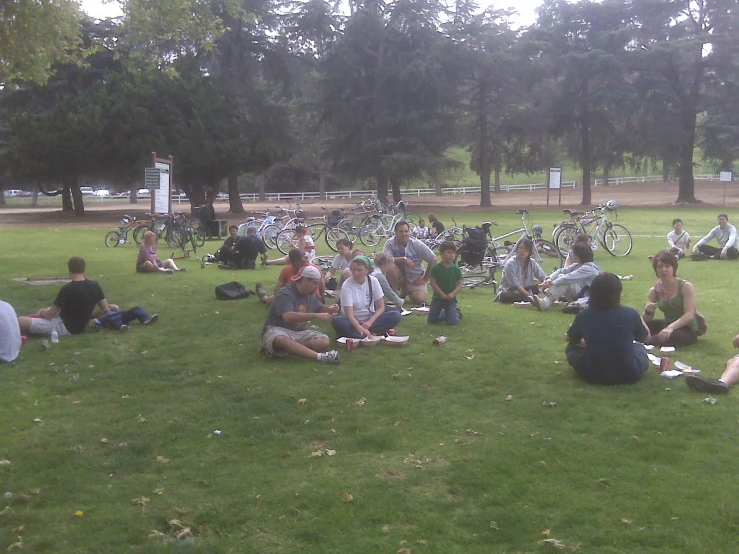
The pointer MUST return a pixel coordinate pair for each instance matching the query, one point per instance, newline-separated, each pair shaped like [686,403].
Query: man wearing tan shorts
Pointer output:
[409,254]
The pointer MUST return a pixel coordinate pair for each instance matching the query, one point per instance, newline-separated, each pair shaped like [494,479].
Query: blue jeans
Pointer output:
[388,320]
[114,320]
[449,307]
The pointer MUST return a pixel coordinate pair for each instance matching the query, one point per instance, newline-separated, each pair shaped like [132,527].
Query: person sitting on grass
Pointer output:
[421,232]
[675,298]
[118,320]
[297,261]
[601,346]
[383,263]
[224,255]
[72,309]
[582,238]
[728,378]
[725,234]
[303,241]
[409,254]
[285,330]
[10,333]
[519,272]
[437,227]
[678,239]
[363,305]
[568,282]
[340,263]
[147,261]
[446,280]
[247,248]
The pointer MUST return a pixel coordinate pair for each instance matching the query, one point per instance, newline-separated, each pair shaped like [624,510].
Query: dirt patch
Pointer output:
[43,280]
[641,195]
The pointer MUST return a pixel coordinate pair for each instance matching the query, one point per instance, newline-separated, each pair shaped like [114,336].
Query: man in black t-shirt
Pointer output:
[225,253]
[247,249]
[72,308]
[437,227]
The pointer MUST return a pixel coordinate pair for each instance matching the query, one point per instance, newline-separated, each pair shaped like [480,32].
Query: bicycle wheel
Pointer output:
[285,240]
[478,278]
[371,234]
[113,239]
[333,235]
[617,240]
[545,252]
[199,237]
[565,237]
[350,227]
[269,235]
[138,234]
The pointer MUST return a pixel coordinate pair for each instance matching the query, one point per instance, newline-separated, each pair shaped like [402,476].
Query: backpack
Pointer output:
[232,291]
[473,249]
[334,218]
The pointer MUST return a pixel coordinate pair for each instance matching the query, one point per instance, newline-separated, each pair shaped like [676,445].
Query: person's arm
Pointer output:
[689,303]
[584,270]
[705,239]
[651,306]
[425,277]
[50,312]
[538,272]
[349,313]
[670,240]
[732,238]
[456,290]
[388,291]
[103,307]
[295,318]
[574,335]
[379,309]
[437,289]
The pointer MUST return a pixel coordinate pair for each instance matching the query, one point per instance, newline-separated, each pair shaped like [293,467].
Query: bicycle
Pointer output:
[129,224]
[286,218]
[382,226]
[614,237]
[286,238]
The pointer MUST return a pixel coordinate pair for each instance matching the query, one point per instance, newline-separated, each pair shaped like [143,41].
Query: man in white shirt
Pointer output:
[725,234]
[10,333]
[678,239]
[409,254]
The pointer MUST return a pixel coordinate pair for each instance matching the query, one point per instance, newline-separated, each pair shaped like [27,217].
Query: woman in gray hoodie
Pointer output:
[569,281]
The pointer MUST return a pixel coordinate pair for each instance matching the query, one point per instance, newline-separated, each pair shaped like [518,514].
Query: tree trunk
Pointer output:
[485,168]
[585,153]
[396,189]
[437,185]
[72,183]
[322,178]
[132,198]
[606,175]
[262,186]
[686,192]
[382,187]
[2,193]
[497,180]
[66,197]
[234,200]
[665,170]
[34,198]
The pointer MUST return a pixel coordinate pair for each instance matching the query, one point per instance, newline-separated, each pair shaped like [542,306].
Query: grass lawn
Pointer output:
[437,449]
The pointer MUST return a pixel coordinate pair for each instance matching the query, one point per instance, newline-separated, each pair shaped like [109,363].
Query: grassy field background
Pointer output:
[437,449]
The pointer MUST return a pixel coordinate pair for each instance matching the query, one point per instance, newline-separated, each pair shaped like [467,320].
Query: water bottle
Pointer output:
[54,337]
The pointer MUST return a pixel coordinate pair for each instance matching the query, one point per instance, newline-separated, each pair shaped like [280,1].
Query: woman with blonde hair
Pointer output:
[147,262]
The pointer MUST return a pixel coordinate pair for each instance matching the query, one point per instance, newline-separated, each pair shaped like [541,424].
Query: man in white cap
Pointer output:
[285,331]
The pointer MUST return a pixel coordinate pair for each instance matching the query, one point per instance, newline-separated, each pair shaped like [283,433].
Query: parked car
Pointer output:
[143,193]
[14,192]
[124,194]
[102,193]
[87,191]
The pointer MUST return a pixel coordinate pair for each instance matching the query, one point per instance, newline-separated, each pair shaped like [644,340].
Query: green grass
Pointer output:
[611,469]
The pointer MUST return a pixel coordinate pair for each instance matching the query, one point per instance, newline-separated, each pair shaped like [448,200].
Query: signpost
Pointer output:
[725,177]
[161,189]
[554,181]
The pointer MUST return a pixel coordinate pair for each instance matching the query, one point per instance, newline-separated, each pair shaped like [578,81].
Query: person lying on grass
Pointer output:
[118,320]
[601,346]
[285,331]
[519,272]
[363,305]
[728,378]
[725,234]
[303,241]
[10,333]
[568,282]
[383,264]
[676,299]
[297,261]
[73,307]
[446,280]
[147,261]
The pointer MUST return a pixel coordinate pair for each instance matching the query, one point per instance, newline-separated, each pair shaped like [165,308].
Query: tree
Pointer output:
[672,51]
[34,36]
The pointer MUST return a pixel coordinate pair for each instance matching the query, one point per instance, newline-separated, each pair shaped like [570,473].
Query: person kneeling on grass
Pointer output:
[147,262]
[676,298]
[517,284]
[728,378]
[363,304]
[293,307]
[446,280]
[601,339]
[568,282]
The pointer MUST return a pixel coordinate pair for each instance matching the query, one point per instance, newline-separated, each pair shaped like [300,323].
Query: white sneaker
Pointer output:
[542,304]
[331,357]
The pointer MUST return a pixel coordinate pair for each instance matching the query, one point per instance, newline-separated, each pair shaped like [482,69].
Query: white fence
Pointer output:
[350,194]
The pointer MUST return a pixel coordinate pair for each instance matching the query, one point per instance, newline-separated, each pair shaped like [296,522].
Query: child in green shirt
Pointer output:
[446,280]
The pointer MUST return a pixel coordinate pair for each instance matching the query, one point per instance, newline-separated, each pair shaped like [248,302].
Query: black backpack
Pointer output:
[232,291]
[473,249]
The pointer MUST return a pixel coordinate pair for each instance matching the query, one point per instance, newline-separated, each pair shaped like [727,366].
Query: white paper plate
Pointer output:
[367,341]
[397,341]
[671,374]
[667,349]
